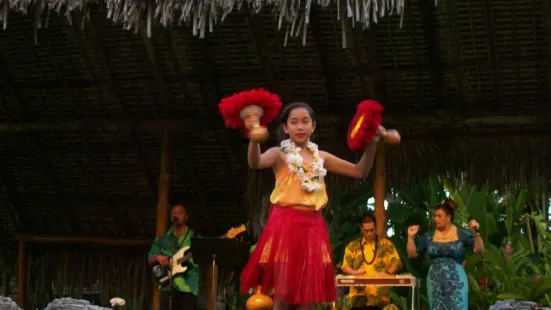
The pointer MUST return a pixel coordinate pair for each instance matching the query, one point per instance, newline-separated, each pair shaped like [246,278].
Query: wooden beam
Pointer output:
[90,240]
[213,122]
[165,178]
[163,207]
[345,70]
[22,276]
[140,201]
[379,189]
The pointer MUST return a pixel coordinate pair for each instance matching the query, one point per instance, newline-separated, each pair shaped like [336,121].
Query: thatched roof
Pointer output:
[83,106]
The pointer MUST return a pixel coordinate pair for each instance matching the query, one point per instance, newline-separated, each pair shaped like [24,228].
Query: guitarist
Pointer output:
[183,290]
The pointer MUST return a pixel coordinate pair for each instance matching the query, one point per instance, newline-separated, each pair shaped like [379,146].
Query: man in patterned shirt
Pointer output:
[182,294]
[370,256]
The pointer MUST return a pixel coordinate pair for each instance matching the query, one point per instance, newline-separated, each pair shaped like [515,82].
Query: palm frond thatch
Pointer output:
[203,15]
[501,162]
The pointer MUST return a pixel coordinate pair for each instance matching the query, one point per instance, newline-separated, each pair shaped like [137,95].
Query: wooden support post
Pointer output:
[379,192]
[163,202]
[212,285]
[22,276]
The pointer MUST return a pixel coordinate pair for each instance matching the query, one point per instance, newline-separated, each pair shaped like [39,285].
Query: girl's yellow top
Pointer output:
[288,191]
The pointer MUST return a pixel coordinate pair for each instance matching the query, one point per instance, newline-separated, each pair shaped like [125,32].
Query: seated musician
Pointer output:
[184,288]
[370,256]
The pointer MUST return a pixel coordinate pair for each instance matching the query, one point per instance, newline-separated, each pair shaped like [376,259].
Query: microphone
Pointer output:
[174,219]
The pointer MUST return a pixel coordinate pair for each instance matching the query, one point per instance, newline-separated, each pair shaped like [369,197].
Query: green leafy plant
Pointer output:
[342,217]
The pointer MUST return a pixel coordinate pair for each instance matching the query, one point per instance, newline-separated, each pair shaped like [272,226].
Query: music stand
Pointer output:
[215,252]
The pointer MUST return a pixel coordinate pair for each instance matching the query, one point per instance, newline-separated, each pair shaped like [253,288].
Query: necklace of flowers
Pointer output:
[309,183]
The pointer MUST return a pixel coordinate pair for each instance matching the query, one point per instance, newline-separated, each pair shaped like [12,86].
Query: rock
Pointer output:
[512,304]
[7,304]
[73,304]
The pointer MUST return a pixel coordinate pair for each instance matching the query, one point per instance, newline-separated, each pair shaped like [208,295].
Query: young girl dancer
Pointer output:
[293,255]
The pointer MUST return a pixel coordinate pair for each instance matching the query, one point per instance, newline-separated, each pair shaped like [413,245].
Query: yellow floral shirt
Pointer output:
[386,258]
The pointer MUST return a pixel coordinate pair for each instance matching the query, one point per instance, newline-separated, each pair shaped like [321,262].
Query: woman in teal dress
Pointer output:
[447,283]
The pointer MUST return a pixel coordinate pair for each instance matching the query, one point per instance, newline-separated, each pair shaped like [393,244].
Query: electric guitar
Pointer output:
[179,262]
[235,231]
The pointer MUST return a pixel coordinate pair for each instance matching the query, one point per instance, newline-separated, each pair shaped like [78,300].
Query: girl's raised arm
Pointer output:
[258,160]
[357,171]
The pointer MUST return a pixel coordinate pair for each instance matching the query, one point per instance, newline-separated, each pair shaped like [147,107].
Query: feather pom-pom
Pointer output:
[364,125]
[230,107]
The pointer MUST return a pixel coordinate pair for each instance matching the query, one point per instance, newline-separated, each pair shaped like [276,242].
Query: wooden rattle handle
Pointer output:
[251,117]
[390,136]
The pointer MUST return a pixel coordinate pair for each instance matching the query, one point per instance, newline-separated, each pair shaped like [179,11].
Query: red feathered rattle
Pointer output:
[365,124]
[250,111]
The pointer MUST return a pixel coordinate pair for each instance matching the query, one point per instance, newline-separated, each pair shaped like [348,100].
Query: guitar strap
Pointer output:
[177,244]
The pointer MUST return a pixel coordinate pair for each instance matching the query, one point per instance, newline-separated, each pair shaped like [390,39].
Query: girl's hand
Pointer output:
[381,132]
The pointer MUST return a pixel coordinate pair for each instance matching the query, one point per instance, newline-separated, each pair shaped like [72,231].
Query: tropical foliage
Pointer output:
[517,261]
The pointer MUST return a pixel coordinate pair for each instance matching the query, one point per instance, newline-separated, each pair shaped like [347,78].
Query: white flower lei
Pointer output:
[294,161]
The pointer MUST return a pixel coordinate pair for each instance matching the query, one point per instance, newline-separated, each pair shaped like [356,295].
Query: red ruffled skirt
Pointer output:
[292,258]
